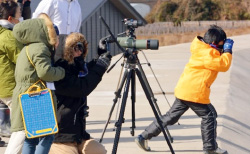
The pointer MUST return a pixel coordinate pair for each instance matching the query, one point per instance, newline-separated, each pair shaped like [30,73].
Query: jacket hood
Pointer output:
[35,31]
[6,24]
[198,44]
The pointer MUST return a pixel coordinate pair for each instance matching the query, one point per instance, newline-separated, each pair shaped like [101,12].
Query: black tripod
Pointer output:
[132,68]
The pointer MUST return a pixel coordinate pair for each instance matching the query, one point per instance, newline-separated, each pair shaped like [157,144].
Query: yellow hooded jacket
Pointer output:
[201,71]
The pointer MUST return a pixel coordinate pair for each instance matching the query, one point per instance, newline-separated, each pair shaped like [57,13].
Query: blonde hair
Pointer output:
[50,27]
[71,42]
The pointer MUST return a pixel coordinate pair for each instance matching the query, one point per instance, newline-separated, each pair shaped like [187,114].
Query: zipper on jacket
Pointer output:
[78,111]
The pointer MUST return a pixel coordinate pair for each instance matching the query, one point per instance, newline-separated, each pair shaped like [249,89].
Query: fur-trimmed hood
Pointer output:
[35,31]
[70,42]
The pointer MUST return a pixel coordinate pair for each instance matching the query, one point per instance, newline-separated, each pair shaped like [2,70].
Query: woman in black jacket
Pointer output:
[80,80]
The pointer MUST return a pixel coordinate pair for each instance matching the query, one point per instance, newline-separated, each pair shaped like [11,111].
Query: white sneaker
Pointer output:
[142,143]
[217,151]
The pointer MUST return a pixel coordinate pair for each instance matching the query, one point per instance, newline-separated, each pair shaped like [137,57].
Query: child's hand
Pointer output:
[228,45]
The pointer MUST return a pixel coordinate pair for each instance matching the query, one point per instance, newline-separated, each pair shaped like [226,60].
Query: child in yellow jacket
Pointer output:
[209,55]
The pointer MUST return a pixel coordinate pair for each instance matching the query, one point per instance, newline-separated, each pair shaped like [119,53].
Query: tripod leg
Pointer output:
[147,93]
[152,97]
[118,107]
[133,102]
[117,95]
[121,115]
[156,79]
[164,94]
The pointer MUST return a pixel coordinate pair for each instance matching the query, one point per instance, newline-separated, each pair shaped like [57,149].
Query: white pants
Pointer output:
[15,144]
[17,138]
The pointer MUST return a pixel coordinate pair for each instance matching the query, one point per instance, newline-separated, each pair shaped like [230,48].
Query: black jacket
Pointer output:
[71,93]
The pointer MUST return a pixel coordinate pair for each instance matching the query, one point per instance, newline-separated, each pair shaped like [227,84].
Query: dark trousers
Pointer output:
[205,111]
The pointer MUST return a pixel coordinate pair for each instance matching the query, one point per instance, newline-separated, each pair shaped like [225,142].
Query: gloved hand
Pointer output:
[79,63]
[104,60]
[102,48]
[228,45]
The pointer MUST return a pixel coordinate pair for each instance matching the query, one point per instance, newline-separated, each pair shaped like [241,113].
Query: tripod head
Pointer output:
[131,56]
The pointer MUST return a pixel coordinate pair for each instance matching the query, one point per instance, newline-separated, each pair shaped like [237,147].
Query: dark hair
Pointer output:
[214,34]
[8,9]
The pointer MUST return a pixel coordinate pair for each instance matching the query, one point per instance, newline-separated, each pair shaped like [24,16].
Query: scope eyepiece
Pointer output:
[131,23]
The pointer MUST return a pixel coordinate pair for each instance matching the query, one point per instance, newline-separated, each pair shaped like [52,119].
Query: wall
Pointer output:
[188,26]
[94,29]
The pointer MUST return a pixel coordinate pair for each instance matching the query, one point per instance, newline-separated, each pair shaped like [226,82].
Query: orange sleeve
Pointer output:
[216,62]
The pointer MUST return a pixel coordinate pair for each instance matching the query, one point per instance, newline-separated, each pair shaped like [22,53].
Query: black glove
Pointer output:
[102,48]
[79,63]
[104,60]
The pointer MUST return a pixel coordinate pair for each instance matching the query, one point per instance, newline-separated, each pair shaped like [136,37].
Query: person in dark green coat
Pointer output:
[40,38]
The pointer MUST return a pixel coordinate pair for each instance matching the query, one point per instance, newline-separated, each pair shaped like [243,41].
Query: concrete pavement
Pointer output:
[229,95]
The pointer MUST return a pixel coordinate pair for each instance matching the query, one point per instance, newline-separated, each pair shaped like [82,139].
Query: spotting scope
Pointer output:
[130,42]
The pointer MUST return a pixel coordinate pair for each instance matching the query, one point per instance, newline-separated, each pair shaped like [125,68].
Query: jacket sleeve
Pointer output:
[41,58]
[45,6]
[13,49]
[217,62]
[72,86]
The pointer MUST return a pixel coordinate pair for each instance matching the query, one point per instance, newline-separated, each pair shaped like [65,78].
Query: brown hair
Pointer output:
[70,42]
[7,9]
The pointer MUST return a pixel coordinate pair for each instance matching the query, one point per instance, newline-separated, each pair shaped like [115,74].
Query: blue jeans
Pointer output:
[4,120]
[40,145]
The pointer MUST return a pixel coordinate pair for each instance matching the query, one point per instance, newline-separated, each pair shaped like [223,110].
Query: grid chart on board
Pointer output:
[38,114]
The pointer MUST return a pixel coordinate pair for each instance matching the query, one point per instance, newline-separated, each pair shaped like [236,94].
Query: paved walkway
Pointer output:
[230,96]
